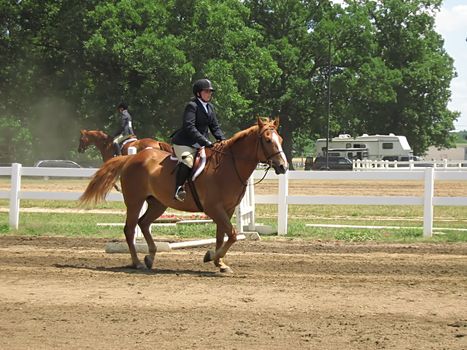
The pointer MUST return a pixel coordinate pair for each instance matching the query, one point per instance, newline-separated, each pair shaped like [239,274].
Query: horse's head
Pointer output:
[83,141]
[271,145]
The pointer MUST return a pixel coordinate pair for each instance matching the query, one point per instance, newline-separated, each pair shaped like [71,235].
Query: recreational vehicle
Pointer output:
[373,147]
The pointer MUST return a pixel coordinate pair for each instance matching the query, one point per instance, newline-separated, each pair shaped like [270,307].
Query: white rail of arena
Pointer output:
[281,198]
[444,164]
[244,212]
[428,175]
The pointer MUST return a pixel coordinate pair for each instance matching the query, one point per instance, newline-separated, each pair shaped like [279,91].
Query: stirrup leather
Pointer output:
[180,194]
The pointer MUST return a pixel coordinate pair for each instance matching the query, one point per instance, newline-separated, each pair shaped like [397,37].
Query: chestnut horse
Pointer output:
[103,142]
[150,176]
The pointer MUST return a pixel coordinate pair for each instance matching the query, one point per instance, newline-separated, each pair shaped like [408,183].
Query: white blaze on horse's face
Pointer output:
[276,141]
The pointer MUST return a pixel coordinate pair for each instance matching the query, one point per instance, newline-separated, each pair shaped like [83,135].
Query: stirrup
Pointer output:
[180,194]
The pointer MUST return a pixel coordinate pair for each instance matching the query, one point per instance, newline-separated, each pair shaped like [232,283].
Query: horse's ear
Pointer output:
[260,122]
[276,122]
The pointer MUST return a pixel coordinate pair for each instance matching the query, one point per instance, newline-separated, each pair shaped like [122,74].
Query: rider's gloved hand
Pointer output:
[209,145]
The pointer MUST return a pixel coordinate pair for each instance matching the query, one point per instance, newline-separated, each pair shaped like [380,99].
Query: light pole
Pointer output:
[329,104]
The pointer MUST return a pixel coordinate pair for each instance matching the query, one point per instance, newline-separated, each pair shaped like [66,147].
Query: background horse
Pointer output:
[149,176]
[103,142]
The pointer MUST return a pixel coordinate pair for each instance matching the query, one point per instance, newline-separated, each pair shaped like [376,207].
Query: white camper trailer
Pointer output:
[373,147]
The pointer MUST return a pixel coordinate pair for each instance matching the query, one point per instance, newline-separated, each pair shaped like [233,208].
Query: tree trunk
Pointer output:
[287,143]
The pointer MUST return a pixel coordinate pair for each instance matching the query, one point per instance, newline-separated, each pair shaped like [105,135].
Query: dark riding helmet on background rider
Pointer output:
[122,105]
[202,84]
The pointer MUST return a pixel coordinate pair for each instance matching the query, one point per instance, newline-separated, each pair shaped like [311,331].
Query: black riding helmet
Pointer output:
[202,84]
[122,105]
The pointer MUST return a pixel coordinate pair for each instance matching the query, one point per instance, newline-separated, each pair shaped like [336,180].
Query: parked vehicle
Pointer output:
[334,163]
[57,163]
[373,147]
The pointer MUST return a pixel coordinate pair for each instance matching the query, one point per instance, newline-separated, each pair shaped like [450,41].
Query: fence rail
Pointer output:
[246,210]
[428,200]
[445,164]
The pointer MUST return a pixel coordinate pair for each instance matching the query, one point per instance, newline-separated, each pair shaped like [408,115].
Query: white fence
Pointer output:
[281,198]
[244,212]
[410,165]
[428,200]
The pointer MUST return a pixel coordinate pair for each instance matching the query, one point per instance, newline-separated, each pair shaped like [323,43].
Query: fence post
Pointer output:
[282,208]
[428,202]
[14,195]
[245,210]
[251,196]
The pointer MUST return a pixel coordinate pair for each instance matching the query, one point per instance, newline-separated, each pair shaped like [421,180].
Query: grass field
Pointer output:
[65,218]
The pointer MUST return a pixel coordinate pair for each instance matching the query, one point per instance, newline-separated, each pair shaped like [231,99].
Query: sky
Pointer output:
[451,23]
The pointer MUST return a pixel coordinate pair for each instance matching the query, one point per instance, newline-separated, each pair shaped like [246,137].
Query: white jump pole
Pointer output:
[122,247]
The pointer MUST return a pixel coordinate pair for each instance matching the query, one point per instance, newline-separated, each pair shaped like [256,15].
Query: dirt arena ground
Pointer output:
[62,293]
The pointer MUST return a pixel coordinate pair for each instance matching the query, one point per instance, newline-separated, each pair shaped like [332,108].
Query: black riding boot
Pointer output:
[183,172]
[117,150]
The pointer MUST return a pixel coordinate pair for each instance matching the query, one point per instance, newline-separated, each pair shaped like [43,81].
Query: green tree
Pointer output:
[66,64]
[15,141]
[400,82]
[409,45]
[222,46]
[389,71]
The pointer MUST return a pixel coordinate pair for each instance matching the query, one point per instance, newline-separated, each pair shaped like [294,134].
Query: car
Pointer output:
[57,163]
[334,163]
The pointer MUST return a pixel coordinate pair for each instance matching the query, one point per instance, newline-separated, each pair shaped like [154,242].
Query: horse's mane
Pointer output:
[241,134]
[97,132]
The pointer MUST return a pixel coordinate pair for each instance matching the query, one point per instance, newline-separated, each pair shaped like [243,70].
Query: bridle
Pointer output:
[263,148]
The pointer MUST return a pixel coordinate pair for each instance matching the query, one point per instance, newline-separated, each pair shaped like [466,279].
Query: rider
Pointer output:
[125,129]
[199,116]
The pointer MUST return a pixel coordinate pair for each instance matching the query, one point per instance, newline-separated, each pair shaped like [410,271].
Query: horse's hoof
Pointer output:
[208,256]
[148,261]
[139,266]
[226,270]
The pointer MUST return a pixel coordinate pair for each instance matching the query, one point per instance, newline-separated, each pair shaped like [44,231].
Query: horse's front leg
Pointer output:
[129,231]
[222,247]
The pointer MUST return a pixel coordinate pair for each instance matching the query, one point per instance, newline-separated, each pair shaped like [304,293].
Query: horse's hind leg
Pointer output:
[132,214]
[155,209]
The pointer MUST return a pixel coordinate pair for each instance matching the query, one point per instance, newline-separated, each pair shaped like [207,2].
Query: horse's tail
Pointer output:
[102,181]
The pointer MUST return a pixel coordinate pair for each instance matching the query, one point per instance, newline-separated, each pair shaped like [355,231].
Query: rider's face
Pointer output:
[206,95]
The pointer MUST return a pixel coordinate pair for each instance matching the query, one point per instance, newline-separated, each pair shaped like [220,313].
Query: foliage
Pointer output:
[14,140]
[461,137]
[408,217]
[66,64]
